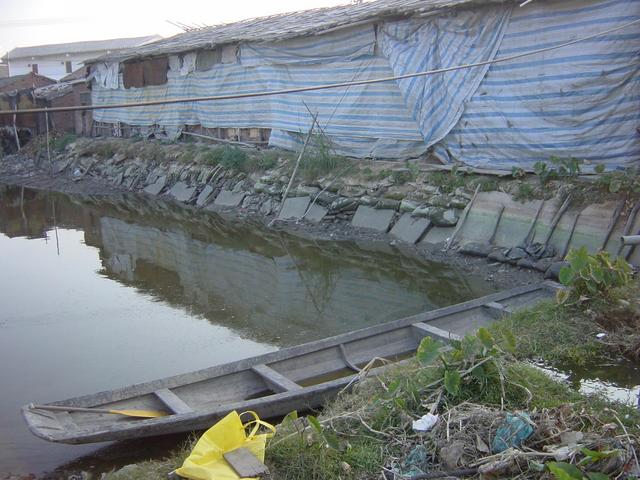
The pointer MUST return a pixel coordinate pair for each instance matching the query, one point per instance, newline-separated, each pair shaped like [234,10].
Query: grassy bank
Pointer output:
[367,432]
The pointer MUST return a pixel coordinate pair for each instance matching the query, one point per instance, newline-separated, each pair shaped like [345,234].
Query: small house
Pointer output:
[57,60]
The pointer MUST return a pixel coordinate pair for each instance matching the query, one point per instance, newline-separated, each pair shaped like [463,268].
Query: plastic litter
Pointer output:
[206,461]
[425,423]
[415,463]
[515,429]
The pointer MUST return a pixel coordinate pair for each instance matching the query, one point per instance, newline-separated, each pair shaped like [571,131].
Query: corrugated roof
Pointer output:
[80,47]
[289,25]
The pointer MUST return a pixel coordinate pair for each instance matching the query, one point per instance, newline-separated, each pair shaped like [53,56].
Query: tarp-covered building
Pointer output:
[579,101]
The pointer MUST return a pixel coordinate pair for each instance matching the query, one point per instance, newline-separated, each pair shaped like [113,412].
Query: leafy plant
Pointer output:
[599,169]
[567,167]
[517,172]
[560,168]
[567,471]
[626,181]
[591,275]
[473,363]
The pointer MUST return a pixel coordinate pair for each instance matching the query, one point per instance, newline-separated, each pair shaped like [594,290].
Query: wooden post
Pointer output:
[612,223]
[46,122]
[15,129]
[462,219]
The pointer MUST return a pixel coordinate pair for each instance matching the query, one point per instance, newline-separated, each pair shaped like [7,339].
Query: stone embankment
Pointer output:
[402,203]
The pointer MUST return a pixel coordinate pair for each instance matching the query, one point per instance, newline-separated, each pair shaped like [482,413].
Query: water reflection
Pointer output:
[101,292]
[267,285]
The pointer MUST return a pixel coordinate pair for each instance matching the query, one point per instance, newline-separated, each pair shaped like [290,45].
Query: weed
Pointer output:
[59,144]
[400,177]
[267,160]
[209,156]
[382,174]
[188,155]
[100,148]
[232,158]
[447,181]
[487,184]
[150,151]
[321,159]
[524,192]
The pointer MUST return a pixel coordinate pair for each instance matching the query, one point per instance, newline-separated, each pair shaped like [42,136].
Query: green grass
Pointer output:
[59,144]
[553,334]
[567,334]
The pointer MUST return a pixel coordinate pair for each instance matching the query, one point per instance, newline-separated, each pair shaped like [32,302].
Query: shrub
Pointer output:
[592,275]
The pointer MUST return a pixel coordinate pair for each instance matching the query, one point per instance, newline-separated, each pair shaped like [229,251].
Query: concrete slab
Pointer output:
[316,213]
[373,219]
[437,235]
[156,187]
[181,192]
[294,208]
[204,195]
[226,198]
[410,229]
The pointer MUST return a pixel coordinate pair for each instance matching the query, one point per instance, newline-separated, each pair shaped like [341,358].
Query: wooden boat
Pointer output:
[295,378]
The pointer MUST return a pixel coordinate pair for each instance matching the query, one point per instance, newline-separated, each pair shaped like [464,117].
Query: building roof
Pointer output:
[20,82]
[4,82]
[289,25]
[78,74]
[80,47]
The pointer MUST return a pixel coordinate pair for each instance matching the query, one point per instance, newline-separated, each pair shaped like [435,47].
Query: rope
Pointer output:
[319,87]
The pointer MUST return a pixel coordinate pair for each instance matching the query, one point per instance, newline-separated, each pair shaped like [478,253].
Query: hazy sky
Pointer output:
[37,22]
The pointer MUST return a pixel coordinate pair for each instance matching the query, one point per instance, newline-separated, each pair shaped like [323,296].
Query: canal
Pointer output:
[102,292]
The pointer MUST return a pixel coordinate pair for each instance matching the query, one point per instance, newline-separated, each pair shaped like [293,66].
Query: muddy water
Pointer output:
[97,293]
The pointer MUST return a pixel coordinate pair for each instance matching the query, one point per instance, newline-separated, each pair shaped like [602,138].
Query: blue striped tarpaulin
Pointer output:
[578,101]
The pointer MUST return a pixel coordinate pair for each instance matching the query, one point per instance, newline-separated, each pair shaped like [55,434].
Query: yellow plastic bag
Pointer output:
[206,461]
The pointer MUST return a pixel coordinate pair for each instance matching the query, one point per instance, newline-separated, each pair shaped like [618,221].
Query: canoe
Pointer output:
[273,384]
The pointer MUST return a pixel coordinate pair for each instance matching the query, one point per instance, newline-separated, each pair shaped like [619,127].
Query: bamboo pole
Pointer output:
[295,169]
[221,140]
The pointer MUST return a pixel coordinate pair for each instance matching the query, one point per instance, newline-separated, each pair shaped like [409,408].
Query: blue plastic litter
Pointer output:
[515,429]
